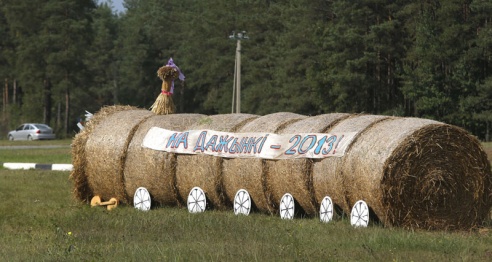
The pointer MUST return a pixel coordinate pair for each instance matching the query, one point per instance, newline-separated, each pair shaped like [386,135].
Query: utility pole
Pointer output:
[237,70]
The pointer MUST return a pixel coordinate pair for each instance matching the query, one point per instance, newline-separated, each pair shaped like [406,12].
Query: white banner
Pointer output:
[248,145]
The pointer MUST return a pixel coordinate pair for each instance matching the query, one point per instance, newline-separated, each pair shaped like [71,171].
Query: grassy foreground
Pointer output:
[39,220]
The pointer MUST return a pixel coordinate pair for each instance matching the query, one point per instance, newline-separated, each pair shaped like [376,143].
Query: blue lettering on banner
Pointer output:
[211,143]
[325,144]
[199,146]
[313,142]
[279,146]
[233,149]
[178,138]
[223,145]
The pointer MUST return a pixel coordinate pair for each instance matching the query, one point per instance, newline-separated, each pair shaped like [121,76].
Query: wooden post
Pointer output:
[6,91]
[5,96]
[14,95]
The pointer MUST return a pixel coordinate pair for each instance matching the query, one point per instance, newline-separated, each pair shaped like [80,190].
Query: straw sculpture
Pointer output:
[249,174]
[327,179]
[82,190]
[164,104]
[294,176]
[205,171]
[106,151]
[413,173]
[152,169]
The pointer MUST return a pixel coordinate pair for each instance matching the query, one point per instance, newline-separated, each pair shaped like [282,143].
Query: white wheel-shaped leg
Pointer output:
[141,199]
[359,217]
[287,207]
[197,202]
[242,202]
[326,210]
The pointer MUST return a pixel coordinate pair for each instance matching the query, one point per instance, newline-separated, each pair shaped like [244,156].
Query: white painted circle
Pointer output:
[141,199]
[197,200]
[287,207]
[242,202]
[359,217]
[326,210]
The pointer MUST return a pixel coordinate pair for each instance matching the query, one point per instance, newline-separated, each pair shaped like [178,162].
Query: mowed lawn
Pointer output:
[40,221]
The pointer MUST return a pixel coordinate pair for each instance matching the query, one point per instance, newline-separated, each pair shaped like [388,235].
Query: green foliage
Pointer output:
[408,58]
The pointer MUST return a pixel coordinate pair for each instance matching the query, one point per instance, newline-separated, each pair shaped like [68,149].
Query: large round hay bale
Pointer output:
[152,169]
[205,171]
[327,178]
[249,174]
[419,173]
[294,176]
[106,150]
[82,190]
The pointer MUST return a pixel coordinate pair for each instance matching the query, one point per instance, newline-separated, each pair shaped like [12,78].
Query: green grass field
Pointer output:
[40,221]
[60,154]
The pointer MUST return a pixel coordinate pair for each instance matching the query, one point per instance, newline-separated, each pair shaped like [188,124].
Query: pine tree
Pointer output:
[102,61]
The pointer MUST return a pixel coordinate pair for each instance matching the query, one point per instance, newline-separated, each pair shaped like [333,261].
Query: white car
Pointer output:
[31,131]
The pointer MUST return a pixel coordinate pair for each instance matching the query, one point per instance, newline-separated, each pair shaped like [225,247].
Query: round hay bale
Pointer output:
[418,173]
[152,169]
[205,171]
[106,150]
[294,176]
[249,174]
[327,179]
[82,191]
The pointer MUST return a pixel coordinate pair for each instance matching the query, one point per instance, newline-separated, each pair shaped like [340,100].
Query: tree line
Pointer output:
[419,58]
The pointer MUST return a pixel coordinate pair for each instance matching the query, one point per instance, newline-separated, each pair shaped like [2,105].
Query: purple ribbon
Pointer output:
[181,76]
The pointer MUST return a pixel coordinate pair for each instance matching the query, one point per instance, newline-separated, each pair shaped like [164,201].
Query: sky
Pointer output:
[117,5]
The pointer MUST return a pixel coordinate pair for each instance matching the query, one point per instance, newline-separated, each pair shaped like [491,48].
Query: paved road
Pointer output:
[32,147]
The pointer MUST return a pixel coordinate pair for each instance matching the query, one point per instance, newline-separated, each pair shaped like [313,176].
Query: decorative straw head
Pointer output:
[167,73]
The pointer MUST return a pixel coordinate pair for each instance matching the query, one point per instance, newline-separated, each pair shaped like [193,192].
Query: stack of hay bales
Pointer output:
[250,174]
[412,172]
[327,178]
[205,171]
[152,169]
[295,175]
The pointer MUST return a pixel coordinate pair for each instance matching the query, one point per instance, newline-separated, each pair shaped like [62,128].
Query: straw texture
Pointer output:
[327,177]
[249,174]
[106,152]
[294,176]
[413,173]
[99,151]
[152,169]
[205,171]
